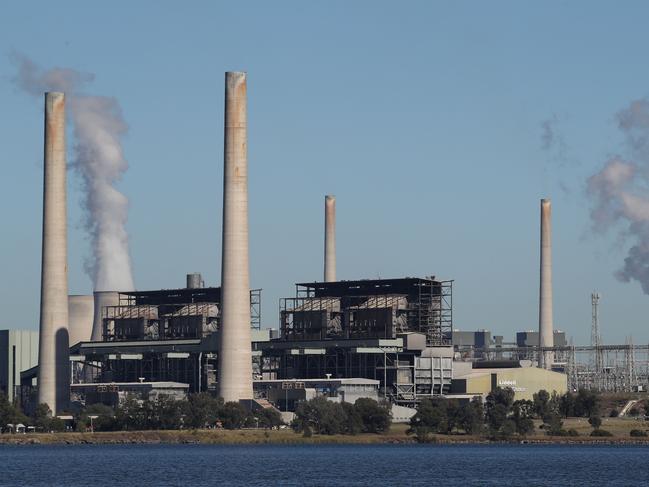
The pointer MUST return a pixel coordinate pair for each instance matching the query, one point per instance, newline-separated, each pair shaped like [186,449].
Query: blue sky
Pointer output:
[423,118]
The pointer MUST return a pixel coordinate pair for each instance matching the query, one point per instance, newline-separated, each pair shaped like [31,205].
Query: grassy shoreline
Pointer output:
[397,435]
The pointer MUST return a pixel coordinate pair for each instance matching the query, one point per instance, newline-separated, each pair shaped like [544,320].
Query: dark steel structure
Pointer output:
[372,308]
[169,314]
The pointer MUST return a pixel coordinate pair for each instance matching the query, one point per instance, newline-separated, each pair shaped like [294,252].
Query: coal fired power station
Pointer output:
[388,339]
[53,352]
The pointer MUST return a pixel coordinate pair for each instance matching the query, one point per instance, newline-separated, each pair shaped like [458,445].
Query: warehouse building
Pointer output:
[480,378]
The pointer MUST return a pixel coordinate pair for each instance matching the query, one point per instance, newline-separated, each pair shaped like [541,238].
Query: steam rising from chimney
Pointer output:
[98,127]
[620,200]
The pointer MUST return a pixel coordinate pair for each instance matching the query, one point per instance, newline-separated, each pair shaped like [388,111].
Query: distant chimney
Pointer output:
[330,239]
[194,280]
[54,349]
[235,354]
[546,336]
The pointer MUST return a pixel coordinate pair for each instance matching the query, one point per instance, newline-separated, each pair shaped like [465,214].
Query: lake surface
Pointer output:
[447,465]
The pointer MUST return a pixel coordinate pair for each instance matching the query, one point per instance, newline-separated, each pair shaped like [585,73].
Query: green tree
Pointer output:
[375,417]
[104,420]
[353,421]
[586,403]
[42,417]
[233,415]
[522,413]
[132,414]
[471,416]
[319,415]
[431,417]
[554,425]
[10,413]
[497,408]
[595,421]
[202,410]
[567,405]
[269,418]
[542,403]
[166,413]
[453,415]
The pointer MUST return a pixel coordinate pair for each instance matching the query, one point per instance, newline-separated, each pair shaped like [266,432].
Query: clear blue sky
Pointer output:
[423,118]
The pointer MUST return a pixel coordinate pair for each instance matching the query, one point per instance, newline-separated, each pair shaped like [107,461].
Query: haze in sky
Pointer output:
[438,126]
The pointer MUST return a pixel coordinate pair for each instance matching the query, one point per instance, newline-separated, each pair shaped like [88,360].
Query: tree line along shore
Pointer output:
[582,417]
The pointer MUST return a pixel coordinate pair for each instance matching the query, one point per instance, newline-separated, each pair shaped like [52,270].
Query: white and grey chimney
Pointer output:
[235,355]
[546,332]
[53,349]
[330,239]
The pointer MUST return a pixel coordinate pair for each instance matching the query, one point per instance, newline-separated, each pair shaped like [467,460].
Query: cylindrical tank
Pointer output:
[102,299]
[194,280]
[80,317]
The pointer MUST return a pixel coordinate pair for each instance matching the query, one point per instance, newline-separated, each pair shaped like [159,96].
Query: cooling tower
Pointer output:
[102,299]
[53,350]
[235,356]
[330,239]
[80,318]
[546,337]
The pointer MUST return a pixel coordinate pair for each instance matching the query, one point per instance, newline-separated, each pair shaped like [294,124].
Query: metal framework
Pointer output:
[405,377]
[169,314]
[379,308]
[610,368]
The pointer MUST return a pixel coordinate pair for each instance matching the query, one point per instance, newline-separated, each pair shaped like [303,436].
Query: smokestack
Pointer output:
[53,349]
[546,337]
[102,299]
[330,239]
[80,318]
[235,356]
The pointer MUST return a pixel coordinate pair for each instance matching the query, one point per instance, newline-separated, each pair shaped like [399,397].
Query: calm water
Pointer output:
[196,465]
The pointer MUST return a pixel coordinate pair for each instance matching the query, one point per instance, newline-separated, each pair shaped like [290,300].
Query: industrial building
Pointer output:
[531,339]
[18,352]
[165,335]
[286,394]
[390,330]
[480,378]
[113,393]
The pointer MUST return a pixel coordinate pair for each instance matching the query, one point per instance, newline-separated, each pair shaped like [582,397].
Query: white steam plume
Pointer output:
[620,194]
[98,127]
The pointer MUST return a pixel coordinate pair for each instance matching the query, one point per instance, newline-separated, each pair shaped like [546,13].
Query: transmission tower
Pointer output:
[596,342]
[629,359]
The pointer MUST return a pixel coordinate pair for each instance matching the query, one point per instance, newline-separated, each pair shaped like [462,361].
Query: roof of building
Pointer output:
[368,287]
[349,380]
[175,296]
[157,385]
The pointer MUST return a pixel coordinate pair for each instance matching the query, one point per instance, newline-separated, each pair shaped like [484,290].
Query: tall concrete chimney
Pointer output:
[53,348]
[546,332]
[235,356]
[330,239]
